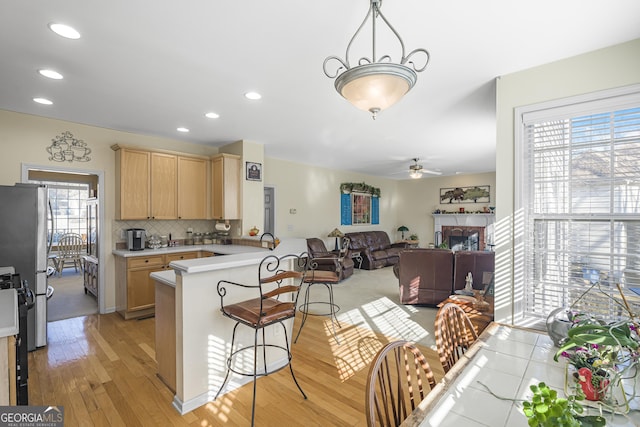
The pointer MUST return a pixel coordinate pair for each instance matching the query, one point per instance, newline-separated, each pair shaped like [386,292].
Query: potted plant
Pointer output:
[599,355]
[413,237]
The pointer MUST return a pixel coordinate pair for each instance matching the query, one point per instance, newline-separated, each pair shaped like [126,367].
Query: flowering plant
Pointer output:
[602,354]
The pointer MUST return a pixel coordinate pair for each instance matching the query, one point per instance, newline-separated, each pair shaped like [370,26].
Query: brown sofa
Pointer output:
[429,276]
[329,261]
[375,248]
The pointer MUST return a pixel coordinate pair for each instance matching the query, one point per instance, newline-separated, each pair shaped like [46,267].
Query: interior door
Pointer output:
[269,210]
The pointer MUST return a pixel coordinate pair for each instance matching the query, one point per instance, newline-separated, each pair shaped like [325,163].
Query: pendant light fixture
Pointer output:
[375,83]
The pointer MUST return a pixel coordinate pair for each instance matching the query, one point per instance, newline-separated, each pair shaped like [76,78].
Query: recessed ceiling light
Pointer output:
[51,74]
[64,31]
[182,130]
[212,115]
[252,95]
[43,101]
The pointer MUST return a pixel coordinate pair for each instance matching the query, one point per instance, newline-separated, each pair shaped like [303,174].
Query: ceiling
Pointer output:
[149,67]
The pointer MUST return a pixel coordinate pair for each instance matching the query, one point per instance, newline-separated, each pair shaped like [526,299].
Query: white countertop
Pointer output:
[504,361]
[234,256]
[8,312]
[218,249]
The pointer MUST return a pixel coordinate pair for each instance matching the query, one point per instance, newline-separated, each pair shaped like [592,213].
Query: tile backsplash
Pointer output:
[176,228]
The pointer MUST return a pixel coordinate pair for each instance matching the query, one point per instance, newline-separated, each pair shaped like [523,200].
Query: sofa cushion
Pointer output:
[378,255]
[358,241]
[394,251]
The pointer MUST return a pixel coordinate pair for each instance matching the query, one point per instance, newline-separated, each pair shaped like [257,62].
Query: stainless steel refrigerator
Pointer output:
[24,209]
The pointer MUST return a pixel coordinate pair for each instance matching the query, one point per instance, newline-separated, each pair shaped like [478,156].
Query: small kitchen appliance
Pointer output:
[136,239]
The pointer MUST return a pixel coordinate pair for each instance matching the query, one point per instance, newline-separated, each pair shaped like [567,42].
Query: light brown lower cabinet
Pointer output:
[135,290]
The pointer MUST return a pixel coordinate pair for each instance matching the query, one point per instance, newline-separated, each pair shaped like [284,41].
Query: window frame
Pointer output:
[574,107]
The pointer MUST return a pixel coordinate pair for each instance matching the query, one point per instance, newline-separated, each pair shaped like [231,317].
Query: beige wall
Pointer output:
[313,193]
[418,198]
[608,68]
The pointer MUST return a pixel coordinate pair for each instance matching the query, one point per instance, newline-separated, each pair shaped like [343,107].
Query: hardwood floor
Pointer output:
[102,369]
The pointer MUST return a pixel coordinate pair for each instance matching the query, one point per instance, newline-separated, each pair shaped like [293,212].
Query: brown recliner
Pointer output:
[425,276]
[329,261]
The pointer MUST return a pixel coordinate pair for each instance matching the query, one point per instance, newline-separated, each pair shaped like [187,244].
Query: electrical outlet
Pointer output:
[123,234]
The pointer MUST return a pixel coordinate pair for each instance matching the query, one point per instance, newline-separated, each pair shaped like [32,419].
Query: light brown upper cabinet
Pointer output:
[160,185]
[192,188]
[133,183]
[164,186]
[225,184]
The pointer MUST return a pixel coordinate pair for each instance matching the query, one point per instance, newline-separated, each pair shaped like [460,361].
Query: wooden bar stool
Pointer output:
[275,301]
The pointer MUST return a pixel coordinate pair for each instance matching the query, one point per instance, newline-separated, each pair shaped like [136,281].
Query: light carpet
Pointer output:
[69,299]
[370,299]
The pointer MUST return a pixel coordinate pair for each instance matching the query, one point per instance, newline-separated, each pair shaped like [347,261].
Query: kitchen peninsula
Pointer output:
[192,336]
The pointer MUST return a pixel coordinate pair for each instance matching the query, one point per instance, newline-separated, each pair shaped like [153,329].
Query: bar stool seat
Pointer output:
[328,279]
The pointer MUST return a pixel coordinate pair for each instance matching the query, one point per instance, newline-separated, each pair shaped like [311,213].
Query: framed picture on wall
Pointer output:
[254,171]
[475,194]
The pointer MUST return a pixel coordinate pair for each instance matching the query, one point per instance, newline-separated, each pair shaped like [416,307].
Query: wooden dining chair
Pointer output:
[454,334]
[399,379]
[70,248]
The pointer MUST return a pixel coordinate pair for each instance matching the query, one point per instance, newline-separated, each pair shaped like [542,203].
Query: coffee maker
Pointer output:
[136,238]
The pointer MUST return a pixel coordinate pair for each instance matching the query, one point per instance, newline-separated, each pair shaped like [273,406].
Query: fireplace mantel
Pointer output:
[465,220]
[470,220]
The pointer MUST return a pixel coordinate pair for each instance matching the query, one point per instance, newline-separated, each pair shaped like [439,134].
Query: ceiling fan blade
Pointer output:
[430,172]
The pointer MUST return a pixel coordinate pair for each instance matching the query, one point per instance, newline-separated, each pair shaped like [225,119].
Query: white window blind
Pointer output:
[580,180]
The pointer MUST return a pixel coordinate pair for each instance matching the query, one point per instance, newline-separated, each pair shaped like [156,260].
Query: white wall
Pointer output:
[607,68]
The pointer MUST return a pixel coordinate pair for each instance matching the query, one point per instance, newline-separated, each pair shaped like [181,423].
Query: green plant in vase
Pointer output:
[601,355]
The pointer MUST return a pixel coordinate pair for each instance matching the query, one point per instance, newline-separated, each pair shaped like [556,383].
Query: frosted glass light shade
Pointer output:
[375,87]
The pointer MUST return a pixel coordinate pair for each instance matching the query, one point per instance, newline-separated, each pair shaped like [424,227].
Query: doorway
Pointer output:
[269,210]
[70,192]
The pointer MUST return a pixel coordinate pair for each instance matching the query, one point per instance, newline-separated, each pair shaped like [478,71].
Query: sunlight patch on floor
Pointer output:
[358,341]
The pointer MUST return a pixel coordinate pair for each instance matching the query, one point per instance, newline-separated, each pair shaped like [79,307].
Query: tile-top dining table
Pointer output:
[487,385]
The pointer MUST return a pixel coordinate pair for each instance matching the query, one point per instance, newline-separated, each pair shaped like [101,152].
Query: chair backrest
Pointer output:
[399,379]
[316,246]
[70,245]
[277,277]
[454,334]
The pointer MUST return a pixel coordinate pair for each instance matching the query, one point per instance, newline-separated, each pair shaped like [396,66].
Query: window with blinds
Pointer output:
[580,180]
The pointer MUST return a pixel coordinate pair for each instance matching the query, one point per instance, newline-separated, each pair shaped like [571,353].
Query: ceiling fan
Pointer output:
[416,170]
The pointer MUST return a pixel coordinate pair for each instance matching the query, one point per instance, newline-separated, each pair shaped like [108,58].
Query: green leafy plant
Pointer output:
[361,187]
[546,409]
